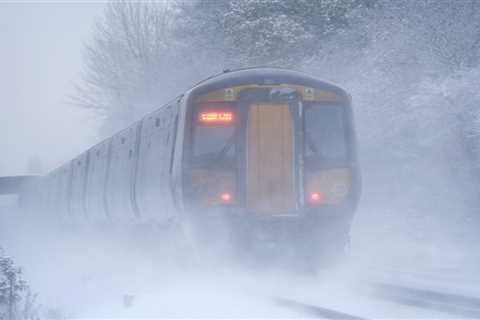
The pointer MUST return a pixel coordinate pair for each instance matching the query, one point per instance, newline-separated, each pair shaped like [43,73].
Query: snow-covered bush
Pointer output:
[16,300]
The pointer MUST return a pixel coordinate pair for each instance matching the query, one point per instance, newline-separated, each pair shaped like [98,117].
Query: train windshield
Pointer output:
[213,137]
[325,138]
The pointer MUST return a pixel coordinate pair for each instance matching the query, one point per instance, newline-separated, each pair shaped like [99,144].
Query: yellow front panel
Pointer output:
[333,184]
[270,162]
[210,184]
[307,93]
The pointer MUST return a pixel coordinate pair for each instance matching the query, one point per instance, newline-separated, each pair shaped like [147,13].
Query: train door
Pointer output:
[270,160]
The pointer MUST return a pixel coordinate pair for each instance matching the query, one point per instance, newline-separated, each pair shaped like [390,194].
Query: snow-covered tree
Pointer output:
[274,32]
[11,287]
[13,290]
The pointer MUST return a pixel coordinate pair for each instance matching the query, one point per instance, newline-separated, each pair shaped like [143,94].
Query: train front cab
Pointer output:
[278,159]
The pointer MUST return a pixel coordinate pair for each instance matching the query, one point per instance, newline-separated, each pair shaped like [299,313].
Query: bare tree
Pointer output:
[126,61]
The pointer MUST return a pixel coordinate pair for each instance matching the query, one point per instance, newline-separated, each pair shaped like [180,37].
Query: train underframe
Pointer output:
[312,240]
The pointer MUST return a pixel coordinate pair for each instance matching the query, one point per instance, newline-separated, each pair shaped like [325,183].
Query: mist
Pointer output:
[41,59]
[71,79]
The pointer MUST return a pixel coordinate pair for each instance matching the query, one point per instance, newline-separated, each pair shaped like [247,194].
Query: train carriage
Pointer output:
[267,150]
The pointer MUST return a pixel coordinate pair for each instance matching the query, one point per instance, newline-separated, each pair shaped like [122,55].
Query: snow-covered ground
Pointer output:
[86,274]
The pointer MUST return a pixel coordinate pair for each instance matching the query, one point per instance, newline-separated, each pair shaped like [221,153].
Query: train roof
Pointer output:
[264,76]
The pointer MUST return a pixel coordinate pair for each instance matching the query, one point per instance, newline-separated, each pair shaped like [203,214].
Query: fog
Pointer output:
[41,59]
[412,69]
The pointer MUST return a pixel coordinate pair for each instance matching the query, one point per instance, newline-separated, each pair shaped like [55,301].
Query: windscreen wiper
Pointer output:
[221,154]
[310,143]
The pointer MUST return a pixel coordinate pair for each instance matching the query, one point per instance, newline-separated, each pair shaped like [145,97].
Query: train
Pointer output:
[268,151]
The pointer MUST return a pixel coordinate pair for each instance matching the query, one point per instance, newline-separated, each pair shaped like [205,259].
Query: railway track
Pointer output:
[448,304]
[316,311]
[453,304]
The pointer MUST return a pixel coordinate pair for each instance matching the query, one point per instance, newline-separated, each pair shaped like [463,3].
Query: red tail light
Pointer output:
[315,197]
[226,197]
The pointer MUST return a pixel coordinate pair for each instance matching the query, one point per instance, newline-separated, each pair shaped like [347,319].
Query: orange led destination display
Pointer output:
[216,117]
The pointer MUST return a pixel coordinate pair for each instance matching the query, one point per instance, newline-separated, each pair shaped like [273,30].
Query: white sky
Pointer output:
[41,48]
